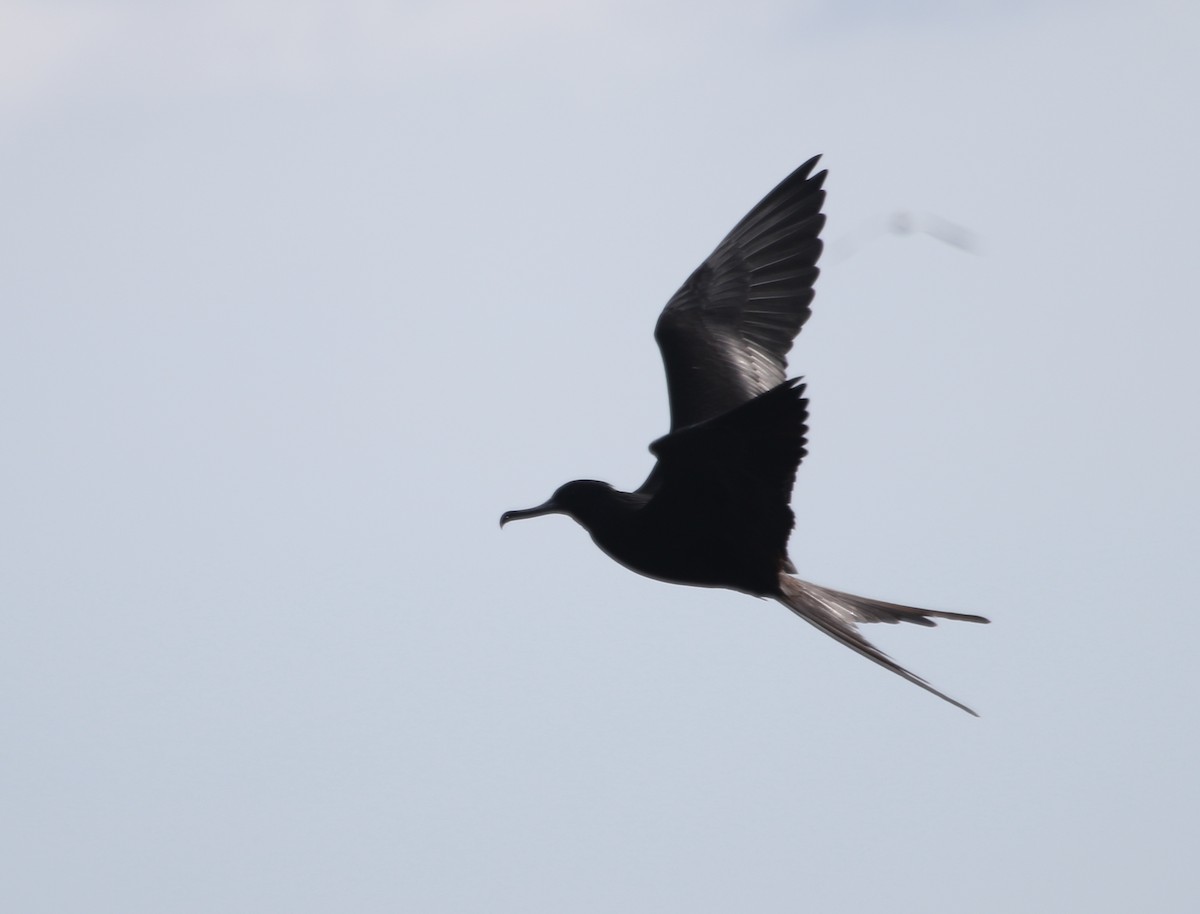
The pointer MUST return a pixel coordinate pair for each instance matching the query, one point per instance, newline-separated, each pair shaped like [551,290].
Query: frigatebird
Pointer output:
[715,510]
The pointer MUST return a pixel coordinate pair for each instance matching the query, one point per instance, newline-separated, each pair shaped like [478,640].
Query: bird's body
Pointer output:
[715,511]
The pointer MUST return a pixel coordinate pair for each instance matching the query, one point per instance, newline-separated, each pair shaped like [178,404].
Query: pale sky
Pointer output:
[299,297]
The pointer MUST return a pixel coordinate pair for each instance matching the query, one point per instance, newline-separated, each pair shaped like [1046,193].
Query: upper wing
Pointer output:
[725,334]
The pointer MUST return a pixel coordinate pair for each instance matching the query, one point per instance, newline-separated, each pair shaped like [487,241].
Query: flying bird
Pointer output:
[901,223]
[715,510]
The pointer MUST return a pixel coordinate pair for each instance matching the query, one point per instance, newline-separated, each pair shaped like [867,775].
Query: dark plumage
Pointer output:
[715,511]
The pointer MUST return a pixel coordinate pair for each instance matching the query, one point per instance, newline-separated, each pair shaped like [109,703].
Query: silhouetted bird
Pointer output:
[903,222]
[714,511]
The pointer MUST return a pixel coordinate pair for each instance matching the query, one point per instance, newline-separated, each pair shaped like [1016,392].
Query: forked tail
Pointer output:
[837,614]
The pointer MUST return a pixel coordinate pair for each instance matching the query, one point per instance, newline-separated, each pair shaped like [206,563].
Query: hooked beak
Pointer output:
[548,508]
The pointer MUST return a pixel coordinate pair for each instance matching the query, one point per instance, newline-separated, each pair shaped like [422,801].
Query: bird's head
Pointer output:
[573,499]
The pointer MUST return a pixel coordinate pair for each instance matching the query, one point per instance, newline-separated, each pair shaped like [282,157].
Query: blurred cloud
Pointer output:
[52,50]
[49,50]
[42,44]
